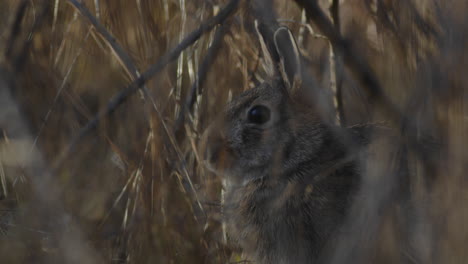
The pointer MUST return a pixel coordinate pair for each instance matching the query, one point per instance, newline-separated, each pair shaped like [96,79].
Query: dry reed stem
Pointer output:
[171,55]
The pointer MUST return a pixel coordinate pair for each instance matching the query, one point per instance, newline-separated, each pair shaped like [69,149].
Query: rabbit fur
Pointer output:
[289,178]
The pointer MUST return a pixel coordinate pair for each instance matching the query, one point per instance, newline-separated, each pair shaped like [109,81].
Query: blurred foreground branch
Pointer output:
[19,59]
[365,75]
[359,66]
[46,206]
[365,217]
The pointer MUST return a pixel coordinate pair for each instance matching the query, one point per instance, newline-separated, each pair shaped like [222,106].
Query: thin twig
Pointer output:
[45,119]
[122,96]
[197,86]
[358,65]
[122,56]
[338,69]
[363,72]
[130,67]
[140,80]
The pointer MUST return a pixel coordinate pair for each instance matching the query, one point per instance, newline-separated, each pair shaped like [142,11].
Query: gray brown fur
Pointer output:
[289,181]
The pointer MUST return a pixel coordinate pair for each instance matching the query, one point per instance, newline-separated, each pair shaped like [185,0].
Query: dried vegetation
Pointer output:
[103,103]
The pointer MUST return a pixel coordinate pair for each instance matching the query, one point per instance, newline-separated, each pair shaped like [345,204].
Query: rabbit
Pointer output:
[289,179]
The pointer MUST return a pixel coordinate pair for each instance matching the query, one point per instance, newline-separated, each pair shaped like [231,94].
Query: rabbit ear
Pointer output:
[289,58]
[267,56]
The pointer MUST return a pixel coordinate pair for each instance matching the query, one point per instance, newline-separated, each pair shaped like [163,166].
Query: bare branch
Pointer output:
[122,96]
[197,86]
[122,56]
[359,66]
[140,80]
[19,60]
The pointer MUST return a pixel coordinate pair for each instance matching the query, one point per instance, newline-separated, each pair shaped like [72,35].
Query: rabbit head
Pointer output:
[267,130]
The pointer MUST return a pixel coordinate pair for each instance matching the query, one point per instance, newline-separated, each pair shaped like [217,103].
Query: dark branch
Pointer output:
[359,66]
[16,27]
[361,69]
[18,61]
[110,40]
[335,12]
[363,72]
[170,56]
[197,86]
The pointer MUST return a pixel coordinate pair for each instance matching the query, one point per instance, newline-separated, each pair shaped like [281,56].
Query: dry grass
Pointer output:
[133,190]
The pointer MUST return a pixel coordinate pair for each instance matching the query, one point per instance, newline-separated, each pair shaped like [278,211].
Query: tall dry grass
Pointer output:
[134,190]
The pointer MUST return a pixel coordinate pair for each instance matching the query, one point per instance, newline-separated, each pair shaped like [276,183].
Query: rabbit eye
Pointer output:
[259,114]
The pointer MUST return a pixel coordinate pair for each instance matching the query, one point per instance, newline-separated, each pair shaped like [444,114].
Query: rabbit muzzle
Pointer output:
[214,151]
